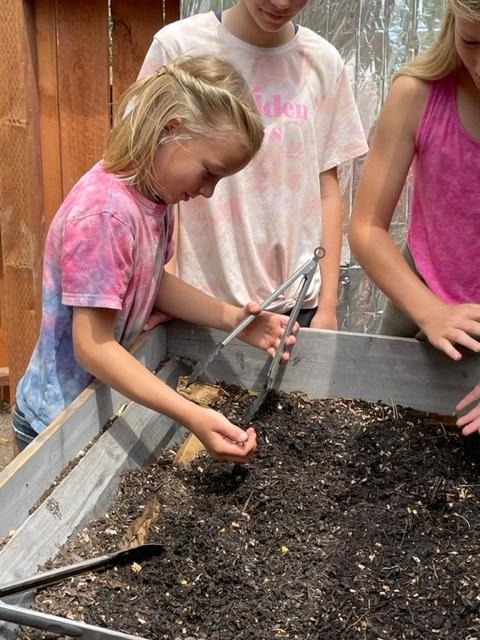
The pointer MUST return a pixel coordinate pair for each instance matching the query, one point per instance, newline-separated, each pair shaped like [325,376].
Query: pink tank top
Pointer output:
[444,233]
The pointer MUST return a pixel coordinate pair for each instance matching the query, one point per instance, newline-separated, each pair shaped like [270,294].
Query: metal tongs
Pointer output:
[307,271]
[66,626]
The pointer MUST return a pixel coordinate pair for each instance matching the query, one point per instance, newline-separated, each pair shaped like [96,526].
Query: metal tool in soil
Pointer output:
[66,626]
[306,271]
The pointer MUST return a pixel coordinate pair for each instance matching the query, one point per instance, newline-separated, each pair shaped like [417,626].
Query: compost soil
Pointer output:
[352,521]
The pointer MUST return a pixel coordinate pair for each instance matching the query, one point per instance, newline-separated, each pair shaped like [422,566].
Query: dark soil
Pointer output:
[353,521]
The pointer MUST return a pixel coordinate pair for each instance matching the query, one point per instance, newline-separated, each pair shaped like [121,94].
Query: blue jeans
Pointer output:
[24,434]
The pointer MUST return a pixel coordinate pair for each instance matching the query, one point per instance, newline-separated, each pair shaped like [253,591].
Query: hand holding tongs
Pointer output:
[66,626]
[307,271]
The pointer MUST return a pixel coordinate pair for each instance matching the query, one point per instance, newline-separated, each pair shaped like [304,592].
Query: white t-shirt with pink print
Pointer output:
[265,222]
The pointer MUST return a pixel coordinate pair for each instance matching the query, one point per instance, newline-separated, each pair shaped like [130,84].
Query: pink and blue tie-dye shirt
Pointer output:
[106,248]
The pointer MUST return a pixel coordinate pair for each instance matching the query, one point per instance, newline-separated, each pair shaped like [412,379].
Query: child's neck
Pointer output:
[239,22]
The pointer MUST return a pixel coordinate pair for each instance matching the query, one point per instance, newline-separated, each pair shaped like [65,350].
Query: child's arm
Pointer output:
[97,350]
[383,177]
[470,422]
[181,300]
[332,222]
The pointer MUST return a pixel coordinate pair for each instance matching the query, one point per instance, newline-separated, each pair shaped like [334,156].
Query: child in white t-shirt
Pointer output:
[265,222]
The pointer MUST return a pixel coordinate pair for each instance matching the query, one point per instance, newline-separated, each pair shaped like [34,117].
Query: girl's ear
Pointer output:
[173,124]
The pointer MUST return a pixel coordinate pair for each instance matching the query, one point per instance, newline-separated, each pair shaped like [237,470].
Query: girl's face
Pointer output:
[272,15]
[185,169]
[467,42]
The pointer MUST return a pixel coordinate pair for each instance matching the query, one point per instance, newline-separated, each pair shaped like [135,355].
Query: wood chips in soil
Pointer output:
[353,521]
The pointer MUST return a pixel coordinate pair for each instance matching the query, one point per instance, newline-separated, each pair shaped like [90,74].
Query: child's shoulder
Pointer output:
[404,105]
[311,39]
[96,191]
[319,54]
[406,87]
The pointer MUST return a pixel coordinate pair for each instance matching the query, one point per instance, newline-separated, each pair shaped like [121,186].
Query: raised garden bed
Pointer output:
[354,520]
[324,364]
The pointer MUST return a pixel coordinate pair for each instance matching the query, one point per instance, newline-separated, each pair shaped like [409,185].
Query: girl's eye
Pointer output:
[470,43]
[208,173]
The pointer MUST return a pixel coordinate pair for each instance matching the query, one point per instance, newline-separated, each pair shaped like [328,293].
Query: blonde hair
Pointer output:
[441,57]
[206,94]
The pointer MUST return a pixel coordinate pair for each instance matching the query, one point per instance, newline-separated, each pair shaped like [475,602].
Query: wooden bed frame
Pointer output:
[70,474]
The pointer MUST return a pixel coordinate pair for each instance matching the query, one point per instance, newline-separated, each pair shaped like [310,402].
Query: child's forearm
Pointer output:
[332,232]
[115,366]
[383,262]
[183,301]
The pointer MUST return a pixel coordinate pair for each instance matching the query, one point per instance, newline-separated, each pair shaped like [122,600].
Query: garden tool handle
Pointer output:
[272,372]
[62,626]
[307,268]
[273,368]
[116,558]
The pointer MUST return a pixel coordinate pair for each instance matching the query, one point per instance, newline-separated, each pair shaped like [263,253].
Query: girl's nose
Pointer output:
[208,187]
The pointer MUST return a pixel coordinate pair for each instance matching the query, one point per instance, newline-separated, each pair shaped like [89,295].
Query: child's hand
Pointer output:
[156,317]
[451,324]
[267,330]
[470,422]
[222,439]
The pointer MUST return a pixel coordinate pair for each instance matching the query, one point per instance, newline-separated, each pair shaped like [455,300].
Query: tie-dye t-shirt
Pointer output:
[264,222]
[106,247]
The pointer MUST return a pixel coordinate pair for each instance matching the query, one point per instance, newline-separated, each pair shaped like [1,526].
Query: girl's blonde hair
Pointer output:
[441,57]
[206,94]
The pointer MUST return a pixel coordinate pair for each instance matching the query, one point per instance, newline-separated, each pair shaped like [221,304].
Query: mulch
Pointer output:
[354,520]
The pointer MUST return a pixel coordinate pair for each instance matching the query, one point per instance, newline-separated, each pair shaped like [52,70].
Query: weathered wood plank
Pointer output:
[83,85]
[134,25]
[331,364]
[48,64]
[20,185]
[32,472]
[134,439]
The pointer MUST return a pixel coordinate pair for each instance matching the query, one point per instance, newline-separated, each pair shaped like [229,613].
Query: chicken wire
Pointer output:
[375,38]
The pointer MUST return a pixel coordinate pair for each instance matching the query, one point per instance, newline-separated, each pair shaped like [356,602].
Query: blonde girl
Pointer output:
[186,127]
[431,119]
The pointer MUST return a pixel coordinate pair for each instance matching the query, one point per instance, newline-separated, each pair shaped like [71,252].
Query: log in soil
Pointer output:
[353,521]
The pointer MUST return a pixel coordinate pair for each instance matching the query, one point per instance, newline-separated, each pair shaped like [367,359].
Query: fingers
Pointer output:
[447,344]
[156,317]
[237,451]
[469,342]
[469,398]
[470,422]
[448,348]
[252,307]
[222,439]
[454,325]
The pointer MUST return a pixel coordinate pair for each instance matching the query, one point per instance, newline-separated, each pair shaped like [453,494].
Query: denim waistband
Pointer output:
[24,432]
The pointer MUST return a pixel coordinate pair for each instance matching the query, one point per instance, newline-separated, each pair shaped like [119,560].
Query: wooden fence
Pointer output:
[63,63]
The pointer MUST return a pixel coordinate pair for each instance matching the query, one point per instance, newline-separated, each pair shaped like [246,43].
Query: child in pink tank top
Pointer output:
[431,121]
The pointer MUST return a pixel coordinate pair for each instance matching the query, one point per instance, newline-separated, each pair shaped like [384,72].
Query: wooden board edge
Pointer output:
[133,440]
[31,473]
[337,364]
